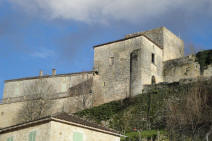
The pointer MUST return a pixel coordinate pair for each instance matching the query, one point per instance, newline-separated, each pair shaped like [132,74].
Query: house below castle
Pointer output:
[57,128]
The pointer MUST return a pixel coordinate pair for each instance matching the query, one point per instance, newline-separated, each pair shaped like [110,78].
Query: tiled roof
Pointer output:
[63,118]
[75,119]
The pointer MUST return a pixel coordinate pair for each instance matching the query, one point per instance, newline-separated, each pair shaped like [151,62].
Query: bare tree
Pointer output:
[191,113]
[84,92]
[192,49]
[39,104]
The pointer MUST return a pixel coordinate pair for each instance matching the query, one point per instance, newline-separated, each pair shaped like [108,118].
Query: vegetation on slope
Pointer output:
[184,111]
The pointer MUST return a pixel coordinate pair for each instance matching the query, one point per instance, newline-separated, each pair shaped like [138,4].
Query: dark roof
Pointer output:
[127,38]
[47,76]
[66,119]
[75,119]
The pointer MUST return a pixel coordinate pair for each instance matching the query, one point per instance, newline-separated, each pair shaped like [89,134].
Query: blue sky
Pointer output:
[46,34]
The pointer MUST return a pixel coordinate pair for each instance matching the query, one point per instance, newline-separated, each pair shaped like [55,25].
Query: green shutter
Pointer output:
[10,139]
[78,136]
[32,136]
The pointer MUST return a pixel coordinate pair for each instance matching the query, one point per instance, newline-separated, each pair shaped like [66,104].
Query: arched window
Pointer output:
[153,79]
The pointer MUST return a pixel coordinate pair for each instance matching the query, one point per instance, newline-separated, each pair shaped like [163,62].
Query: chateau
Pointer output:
[121,69]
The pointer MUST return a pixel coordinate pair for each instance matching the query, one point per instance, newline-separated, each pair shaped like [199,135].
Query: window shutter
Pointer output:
[10,139]
[32,136]
[78,136]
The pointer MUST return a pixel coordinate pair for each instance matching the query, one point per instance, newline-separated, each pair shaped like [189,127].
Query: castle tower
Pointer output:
[124,66]
[173,46]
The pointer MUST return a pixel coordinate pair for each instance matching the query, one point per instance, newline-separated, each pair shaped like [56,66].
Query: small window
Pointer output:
[153,80]
[32,136]
[111,60]
[78,136]
[153,58]
[10,139]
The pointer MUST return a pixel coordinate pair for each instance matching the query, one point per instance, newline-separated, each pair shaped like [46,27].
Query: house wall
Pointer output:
[42,133]
[65,132]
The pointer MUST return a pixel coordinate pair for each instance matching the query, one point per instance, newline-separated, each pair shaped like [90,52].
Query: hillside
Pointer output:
[153,111]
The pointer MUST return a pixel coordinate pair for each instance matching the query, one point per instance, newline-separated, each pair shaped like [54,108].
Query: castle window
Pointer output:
[111,61]
[153,58]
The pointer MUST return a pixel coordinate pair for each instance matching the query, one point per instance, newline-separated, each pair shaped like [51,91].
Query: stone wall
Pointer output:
[85,87]
[60,83]
[10,110]
[182,68]
[112,61]
[208,71]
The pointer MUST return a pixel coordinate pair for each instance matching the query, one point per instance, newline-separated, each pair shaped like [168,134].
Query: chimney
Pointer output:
[53,72]
[41,73]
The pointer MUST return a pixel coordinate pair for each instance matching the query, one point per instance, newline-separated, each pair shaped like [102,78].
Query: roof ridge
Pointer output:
[67,118]
[47,76]
[127,38]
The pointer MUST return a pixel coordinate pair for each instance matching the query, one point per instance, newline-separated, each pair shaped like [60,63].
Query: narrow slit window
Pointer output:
[153,58]
[111,60]
[153,80]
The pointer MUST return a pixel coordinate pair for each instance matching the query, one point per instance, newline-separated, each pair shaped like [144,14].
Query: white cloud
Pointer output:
[98,11]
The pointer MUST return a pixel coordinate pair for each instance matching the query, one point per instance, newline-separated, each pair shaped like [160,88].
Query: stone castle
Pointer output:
[121,69]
